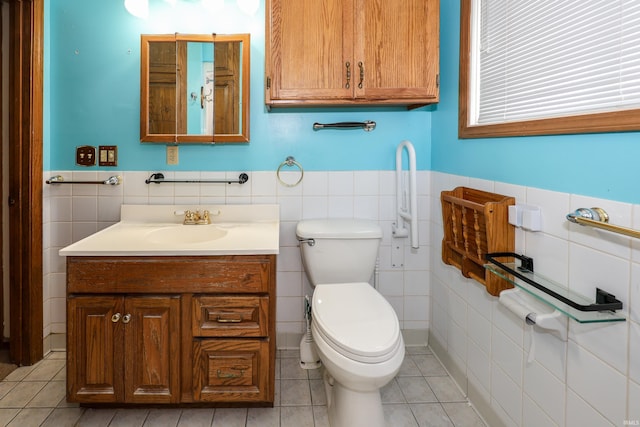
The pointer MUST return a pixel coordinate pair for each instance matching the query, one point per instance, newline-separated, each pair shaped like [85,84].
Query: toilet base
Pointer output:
[348,408]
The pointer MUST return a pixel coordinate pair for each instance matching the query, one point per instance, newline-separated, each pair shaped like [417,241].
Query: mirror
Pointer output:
[194,88]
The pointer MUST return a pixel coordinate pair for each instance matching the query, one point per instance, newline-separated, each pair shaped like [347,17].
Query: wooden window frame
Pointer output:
[619,121]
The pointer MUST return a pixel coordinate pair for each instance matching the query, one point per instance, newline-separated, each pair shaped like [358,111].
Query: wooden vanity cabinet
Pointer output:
[345,52]
[167,330]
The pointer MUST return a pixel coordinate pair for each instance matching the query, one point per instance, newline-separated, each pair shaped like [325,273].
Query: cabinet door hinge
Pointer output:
[268,82]
[437,80]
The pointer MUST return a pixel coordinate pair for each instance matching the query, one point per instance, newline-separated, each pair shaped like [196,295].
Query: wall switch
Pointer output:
[172,154]
[86,155]
[108,155]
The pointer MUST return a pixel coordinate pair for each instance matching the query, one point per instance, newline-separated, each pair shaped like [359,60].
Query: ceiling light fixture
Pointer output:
[138,8]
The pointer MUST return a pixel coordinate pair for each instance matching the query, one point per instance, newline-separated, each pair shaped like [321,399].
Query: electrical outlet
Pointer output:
[108,155]
[86,155]
[172,154]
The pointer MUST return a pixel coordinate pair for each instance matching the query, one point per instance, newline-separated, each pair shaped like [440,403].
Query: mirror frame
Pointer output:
[146,136]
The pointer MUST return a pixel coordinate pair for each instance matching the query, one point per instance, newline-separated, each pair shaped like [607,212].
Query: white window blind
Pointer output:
[553,58]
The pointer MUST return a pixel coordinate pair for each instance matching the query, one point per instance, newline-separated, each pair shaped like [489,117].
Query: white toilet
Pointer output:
[355,329]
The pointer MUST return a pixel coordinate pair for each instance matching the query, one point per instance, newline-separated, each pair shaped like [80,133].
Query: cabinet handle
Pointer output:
[126,318]
[116,317]
[361,65]
[348,65]
[221,320]
[220,374]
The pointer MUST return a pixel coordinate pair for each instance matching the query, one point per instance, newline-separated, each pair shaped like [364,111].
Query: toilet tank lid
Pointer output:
[338,228]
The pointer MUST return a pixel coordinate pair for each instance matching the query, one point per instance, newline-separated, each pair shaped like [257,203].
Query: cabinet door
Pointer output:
[95,349]
[309,44]
[152,343]
[398,45]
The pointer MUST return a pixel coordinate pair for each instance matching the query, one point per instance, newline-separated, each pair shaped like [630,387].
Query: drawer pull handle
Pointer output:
[116,317]
[126,318]
[220,374]
[221,320]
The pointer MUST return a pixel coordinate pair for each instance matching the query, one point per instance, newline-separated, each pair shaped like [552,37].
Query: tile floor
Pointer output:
[422,394]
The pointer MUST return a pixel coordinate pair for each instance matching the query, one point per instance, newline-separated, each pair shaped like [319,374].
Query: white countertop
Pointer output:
[155,230]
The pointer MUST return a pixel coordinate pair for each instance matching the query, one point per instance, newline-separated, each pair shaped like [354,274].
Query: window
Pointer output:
[549,67]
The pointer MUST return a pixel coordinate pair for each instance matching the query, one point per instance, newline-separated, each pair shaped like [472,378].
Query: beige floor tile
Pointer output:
[129,417]
[31,417]
[196,417]
[230,417]
[391,393]
[398,416]
[416,390]
[162,418]
[49,396]
[22,394]
[19,373]
[318,392]
[63,417]
[463,415]
[295,393]
[445,389]
[296,416]
[6,387]
[430,415]
[6,415]
[263,417]
[45,370]
[96,417]
[290,370]
[429,366]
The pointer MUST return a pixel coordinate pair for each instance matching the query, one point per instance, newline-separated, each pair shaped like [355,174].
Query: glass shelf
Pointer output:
[575,314]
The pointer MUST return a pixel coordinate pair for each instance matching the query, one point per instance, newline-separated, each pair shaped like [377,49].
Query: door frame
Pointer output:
[26,65]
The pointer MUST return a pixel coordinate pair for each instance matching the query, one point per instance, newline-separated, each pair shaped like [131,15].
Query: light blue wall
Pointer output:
[93,98]
[602,165]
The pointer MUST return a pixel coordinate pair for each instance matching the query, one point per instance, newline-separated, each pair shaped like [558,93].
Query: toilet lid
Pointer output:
[355,319]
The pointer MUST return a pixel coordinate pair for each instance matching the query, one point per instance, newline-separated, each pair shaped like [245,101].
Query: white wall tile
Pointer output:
[581,414]
[534,416]
[597,383]
[546,390]
[507,394]
[632,403]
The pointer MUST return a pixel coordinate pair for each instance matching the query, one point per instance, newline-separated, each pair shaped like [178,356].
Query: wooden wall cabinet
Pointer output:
[346,52]
[169,330]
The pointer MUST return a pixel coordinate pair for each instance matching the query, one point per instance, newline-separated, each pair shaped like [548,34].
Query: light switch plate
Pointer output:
[86,155]
[108,155]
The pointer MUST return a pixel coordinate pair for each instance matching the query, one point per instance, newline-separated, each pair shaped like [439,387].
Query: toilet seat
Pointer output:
[356,321]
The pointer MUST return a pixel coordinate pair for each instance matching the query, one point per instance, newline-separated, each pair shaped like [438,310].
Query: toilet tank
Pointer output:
[338,250]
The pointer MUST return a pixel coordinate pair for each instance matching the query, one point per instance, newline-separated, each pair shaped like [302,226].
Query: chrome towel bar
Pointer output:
[59,179]
[598,218]
[158,178]
[367,125]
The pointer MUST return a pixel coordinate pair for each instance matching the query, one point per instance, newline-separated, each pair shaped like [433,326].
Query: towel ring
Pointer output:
[290,161]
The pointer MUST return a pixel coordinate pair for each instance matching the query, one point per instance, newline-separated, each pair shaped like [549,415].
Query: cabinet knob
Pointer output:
[116,317]
[223,320]
[126,318]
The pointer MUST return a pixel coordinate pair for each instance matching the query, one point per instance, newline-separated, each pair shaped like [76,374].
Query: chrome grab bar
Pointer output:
[367,125]
[158,178]
[59,179]
[598,218]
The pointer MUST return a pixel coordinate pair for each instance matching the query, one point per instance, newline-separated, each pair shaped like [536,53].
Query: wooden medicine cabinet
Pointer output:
[194,88]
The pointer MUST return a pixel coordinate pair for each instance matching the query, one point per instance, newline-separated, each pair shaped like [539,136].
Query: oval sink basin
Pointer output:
[185,234]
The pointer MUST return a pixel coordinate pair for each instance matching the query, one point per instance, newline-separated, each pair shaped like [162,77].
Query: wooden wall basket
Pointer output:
[476,223]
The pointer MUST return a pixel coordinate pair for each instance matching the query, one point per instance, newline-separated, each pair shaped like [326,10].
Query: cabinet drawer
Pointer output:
[238,274]
[231,371]
[230,316]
